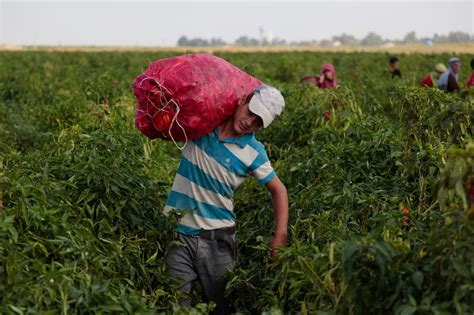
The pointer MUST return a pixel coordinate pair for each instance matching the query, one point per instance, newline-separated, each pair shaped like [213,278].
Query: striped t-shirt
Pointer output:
[209,172]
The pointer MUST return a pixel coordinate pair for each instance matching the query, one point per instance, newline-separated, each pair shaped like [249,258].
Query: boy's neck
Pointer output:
[226,130]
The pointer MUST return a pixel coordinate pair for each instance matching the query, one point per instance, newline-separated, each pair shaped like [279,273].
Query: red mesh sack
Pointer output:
[185,97]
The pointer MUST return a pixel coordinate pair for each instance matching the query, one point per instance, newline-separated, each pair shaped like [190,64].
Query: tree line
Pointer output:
[371,39]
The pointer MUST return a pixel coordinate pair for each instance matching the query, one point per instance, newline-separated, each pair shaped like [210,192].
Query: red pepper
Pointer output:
[407,211]
[327,114]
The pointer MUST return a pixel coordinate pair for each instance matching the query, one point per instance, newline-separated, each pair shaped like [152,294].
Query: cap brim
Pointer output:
[259,109]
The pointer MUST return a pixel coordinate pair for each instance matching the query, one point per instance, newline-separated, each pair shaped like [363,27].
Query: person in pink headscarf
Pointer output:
[326,80]
[328,77]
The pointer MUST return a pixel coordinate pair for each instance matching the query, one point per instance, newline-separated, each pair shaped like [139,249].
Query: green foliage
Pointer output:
[458,177]
[81,191]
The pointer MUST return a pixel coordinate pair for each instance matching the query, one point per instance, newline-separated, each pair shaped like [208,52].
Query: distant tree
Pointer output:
[242,40]
[325,42]
[440,39]
[346,39]
[198,42]
[246,41]
[452,37]
[278,42]
[182,41]
[410,38]
[456,37]
[372,39]
[304,43]
[217,42]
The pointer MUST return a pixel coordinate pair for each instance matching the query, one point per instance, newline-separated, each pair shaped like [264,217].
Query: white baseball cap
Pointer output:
[266,102]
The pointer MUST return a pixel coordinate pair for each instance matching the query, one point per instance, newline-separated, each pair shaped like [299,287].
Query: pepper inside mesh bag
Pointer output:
[185,97]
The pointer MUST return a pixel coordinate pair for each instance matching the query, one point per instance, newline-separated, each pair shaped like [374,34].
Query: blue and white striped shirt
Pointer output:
[209,172]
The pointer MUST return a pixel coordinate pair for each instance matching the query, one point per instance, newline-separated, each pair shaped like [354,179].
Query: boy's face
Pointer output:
[394,65]
[244,121]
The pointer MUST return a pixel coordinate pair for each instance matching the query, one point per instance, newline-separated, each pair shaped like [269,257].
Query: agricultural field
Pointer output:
[381,216]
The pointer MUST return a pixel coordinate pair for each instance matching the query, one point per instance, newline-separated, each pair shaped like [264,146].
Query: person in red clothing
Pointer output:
[326,80]
[470,82]
[328,77]
[430,79]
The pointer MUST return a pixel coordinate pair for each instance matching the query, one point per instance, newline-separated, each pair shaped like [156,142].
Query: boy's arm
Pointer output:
[280,209]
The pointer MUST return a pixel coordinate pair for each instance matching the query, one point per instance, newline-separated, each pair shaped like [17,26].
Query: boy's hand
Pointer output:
[277,240]
[280,209]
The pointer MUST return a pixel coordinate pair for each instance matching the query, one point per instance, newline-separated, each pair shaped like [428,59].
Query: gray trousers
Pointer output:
[206,260]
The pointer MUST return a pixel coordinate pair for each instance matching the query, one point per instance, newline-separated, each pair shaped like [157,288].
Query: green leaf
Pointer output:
[462,269]
[461,192]
[350,248]
[418,278]
[16,309]
[406,310]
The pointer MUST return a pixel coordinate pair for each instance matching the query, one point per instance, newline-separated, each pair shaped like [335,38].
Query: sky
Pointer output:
[161,23]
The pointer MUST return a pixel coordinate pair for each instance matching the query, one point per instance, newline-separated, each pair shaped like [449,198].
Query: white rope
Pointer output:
[166,107]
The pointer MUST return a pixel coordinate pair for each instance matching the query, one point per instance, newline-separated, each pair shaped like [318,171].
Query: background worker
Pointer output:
[431,79]
[470,82]
[394,63]
[448,81]
[326,80]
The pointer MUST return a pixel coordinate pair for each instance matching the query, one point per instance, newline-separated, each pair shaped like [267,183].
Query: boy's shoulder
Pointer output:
[256,144]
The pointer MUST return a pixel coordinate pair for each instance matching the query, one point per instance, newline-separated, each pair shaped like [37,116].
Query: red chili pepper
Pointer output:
[327,114]
[407,211]
[470,192]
